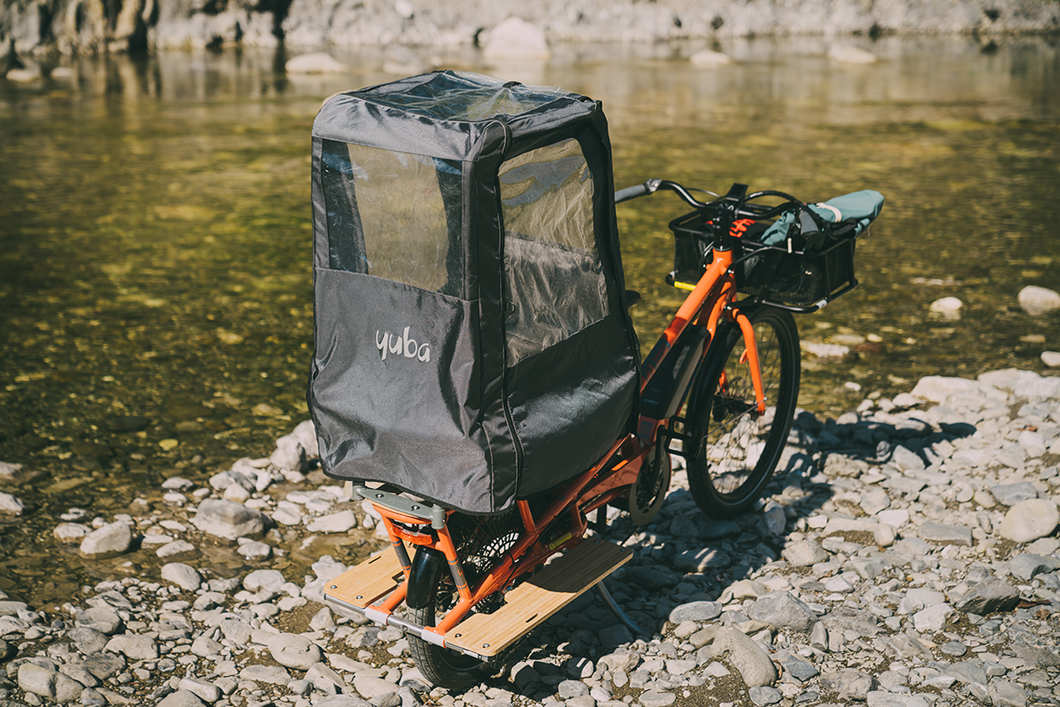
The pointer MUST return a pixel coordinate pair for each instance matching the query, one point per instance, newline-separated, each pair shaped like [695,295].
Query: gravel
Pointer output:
[904,556]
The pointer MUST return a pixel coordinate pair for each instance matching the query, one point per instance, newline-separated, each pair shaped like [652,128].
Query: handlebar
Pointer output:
[743,209]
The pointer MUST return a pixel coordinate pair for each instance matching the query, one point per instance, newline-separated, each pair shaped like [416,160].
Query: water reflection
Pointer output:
[154,231]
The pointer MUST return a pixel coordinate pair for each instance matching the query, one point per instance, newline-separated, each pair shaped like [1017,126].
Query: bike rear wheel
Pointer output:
[442,666]
[734,449]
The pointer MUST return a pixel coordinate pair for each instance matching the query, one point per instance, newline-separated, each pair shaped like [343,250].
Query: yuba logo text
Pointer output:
[401,346]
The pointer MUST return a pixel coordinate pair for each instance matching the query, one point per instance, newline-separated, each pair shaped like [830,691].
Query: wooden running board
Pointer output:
[539,597]
[363,585]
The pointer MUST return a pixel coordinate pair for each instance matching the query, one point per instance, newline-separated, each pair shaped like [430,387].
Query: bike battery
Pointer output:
[666,389]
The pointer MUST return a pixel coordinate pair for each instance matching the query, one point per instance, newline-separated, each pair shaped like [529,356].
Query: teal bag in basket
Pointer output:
[860,207]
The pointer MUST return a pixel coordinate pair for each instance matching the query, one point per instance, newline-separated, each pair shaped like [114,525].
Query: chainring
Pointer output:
[648,492]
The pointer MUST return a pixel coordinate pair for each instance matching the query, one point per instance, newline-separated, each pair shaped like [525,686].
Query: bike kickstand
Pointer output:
[617,611]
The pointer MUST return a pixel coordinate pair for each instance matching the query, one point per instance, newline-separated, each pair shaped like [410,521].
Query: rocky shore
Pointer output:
[905,555]
[69,26]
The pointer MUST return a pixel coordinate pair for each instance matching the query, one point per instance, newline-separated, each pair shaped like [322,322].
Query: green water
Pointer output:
[155,283]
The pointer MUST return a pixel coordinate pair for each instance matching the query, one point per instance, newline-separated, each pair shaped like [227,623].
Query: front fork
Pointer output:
[750,356]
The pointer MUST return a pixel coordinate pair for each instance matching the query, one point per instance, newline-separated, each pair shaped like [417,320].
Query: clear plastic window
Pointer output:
[554,281]
[394,215]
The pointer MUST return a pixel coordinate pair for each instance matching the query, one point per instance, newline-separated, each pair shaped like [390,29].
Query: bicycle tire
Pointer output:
[442,666]
[734,450]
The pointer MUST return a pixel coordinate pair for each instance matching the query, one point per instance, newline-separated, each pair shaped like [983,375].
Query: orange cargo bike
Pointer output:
[476,374]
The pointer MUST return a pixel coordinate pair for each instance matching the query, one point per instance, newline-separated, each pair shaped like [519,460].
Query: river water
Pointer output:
[155,282]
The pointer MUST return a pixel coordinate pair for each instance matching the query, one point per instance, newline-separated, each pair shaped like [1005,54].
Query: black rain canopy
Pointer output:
[472,343]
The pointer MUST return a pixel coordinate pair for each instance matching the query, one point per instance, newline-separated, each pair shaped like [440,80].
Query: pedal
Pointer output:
[364,584]
[542,595]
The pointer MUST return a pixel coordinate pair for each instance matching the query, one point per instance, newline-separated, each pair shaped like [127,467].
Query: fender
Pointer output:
[426,565]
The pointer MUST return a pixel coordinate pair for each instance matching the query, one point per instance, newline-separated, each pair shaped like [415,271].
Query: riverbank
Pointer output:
[906,554]
[136,25]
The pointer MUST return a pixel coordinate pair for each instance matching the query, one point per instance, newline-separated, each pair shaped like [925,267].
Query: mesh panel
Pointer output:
[393,215]
[554,281]
[450,96]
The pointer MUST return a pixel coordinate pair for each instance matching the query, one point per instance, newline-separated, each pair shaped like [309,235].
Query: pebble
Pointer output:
[315,63]
[1029,520]
[851,55]
[108,541]
[709,57]
[11,505]
[228,519]
[889,570]
[1038,300]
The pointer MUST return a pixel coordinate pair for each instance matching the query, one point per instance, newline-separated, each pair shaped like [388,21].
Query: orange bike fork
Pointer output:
[750,356]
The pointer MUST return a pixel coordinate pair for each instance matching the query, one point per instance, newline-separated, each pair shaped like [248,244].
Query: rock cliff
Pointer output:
[69,26]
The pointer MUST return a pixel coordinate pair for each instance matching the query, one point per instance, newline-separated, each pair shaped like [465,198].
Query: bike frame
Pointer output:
[710,303]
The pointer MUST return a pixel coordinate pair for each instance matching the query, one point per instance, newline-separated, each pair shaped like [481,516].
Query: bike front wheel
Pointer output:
[734,449]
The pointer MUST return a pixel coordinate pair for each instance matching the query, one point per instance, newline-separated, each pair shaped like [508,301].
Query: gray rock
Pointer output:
[572,688]
[1038,300]
[99,619]
[224,479]
[1027,565]
[906,459]
[701,560]
[967,672]
[371,688]
[795,666]
[184,576]
[695,611]
[1029,520]
[804,553]
[272,674]
[746,655]
[655,698]
[227,519]
[236,631]
[50,684]
[263,579]
[848,683]
[289,453]
[879,698]
[108,541]
[133,646]
[932,619]
[651,577]
[874,499]
[177,548]
[987,596]
[11,505]
[182,698]
[1005,693]
[206,691]
[783,610]
[292,651]
[333,523]
[764,695]
[321,676]
[939,533]
[342,701]
[919,598]
[1011,494]
[103,665]
[87,640]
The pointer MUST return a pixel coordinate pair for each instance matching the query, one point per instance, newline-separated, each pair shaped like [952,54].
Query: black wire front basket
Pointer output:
[799,280]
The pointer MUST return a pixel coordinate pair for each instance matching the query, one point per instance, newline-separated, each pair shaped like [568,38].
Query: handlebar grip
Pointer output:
[632,192]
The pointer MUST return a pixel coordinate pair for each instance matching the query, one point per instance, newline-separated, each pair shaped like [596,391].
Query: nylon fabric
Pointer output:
[860,207]
[470,343]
